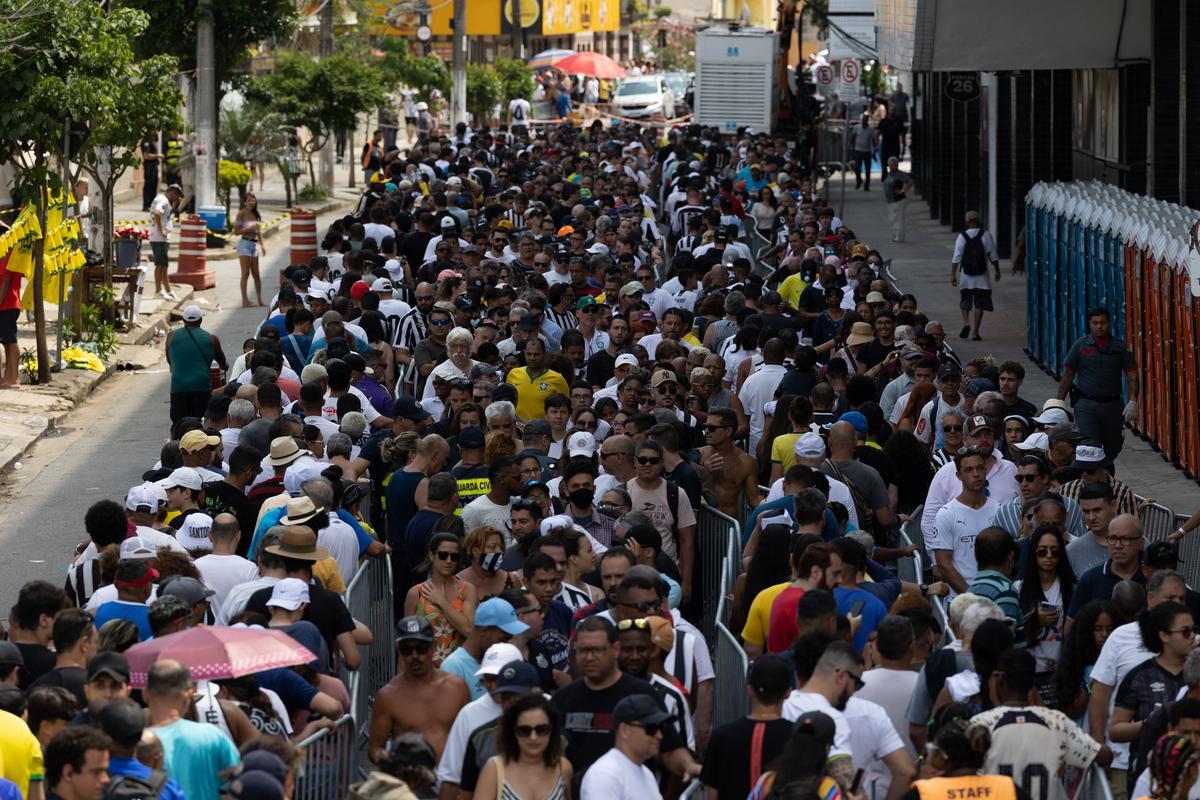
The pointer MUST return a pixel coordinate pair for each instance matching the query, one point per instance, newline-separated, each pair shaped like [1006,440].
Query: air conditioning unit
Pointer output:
[736,73]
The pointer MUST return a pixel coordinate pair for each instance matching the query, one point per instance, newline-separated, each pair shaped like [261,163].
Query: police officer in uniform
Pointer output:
[1092,375]
[471,473]
[172,152]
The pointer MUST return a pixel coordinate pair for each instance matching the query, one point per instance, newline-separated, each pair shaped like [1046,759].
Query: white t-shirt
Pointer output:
[222,572]
[838,493]
[343,546]
[984,280]
[373,230]
[756,392]
[160,204]
[956,527]
[329,410]
[872,736]
[519,110]
[1121,652]
[614,776]
[1049,645]
[475,713]
[799,703]
[238,596]
[891,690]
[327,427]
[482,511]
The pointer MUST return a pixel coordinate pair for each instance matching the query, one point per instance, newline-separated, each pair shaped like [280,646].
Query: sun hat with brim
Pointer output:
[299,543]
[299,511]
[284,451]
[860,333]
[1052,416]
[1090,456]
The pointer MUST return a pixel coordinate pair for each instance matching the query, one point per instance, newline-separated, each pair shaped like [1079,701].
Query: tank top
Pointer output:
[208,707]
[191,354]
[993,787]
[506,792]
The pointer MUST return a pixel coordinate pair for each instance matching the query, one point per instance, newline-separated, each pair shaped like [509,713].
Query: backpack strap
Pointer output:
[156,780]
[756,751]
[673,500]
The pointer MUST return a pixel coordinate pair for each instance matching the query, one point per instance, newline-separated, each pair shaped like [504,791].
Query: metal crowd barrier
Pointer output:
[716,535]
[1158,522]
[729,702]
[368,596]
[1094,785]
[910,533]
[329,764]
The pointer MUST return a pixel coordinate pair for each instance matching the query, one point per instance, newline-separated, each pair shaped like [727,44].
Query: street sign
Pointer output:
[850,72]
[825,75]
[962,86]
[424,34]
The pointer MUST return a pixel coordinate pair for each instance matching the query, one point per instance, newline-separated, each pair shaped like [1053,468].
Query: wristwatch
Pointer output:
[924,590]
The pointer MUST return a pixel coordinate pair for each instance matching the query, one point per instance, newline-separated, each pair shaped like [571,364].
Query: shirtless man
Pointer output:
[734,471]
[421,699]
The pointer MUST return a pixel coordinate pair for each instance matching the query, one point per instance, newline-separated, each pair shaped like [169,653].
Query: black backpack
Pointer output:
[974,255]
[127,787]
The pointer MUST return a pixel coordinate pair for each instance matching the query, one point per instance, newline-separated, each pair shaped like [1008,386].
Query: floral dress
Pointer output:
[446,638]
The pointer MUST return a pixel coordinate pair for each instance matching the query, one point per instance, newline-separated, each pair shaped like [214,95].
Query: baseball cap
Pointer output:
[1054,402]
[496,657]
[471,438]
[978,386]
[818,724]
[10,655]
[631,288]
[647,316]
[408,407]
[448,222]
[1035,441]
[265,761]
[518,677]
[382,285]
[195,441]
[1052,416]
[464,302]
[857,419]
[314,373]
[585,301]
[137,547]
[289,594]
[809,445]
[114,665]
[1089,456]
[359,289]
[357,363]
[949,369]
[861,251]
[662,633]
[319,289]
[189,590]
[976,423]
[193,532]
[529,485]
[192,314]
[1161,555]
[769,675]
[254,785]
[498,613]
[625,360]
[121,718]
[133,572]
[580,443]
[415,628]
[183,477]
[537,427]
[875,297]
[1065,432]
[446,275]
[638,709]
[144,497]
[663,376]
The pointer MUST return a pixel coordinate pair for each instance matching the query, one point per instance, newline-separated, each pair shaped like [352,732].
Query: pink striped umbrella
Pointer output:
[217,652]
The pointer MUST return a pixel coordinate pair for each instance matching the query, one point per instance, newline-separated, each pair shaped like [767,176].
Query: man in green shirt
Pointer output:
[190,352]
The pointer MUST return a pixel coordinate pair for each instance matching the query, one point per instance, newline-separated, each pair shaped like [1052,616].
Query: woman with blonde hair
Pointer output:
[485,549]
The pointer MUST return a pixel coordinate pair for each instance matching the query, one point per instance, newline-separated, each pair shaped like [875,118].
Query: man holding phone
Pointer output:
[852,600]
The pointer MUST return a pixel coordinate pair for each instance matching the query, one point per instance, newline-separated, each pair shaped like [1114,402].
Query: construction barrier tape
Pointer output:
[654,122]
[224,237]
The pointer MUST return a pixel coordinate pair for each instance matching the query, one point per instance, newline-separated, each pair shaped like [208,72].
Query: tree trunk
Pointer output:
[39,306]
[287,187]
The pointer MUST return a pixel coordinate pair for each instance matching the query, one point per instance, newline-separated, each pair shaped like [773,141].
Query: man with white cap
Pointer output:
[143,503]
[392,309]
[289,600]
[193,533]
[810,452]
[449,230]
[1094,466]
[1033,480]
[135,547]
[183,494]
[190,352]
[622,365]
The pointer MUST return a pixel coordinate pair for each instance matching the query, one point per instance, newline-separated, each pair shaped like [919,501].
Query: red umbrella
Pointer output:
[214,653]
[593,64]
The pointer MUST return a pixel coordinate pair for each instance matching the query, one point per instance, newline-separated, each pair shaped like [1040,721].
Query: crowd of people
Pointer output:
[523,371]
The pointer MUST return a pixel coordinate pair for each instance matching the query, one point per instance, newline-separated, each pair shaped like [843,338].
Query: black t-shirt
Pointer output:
[689,482]
[799,382]
[325,610]
[588,722]
[412,247]
[481,746]
[72,679]
[778,321]
[877,460]
[728,758]
[600,368]
[1147,687]
[221,498]
[38,661]
[811,300]
[874,352]
[1023,407]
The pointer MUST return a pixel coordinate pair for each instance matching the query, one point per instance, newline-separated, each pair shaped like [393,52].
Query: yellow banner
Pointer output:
[561,17]
[400,18]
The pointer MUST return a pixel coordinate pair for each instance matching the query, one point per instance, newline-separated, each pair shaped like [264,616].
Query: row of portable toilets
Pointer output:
[1092,244]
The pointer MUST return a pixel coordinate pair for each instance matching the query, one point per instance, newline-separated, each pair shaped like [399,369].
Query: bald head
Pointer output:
[842,439]
[168,678]
[225,528]
[247,391]
[1125,525]
[1129,598]
[620,444]
[424,286]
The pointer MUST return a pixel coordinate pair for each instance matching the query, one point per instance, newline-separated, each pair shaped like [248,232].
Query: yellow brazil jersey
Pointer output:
[757,620]
[791,288]
[532,392]
[20,753]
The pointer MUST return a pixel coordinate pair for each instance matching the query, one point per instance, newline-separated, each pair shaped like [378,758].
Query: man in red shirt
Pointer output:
[10,309]
[819,568]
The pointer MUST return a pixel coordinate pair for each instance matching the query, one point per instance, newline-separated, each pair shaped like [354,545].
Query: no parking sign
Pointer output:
[850,72]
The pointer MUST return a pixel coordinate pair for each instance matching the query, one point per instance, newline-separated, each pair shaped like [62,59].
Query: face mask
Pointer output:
[490,562]
[582,498]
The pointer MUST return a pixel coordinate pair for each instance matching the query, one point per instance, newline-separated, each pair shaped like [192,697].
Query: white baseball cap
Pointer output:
[581,443]
[1052,416]
[184,477]
[148,495]
[625,360]
[496,657]
[137,547]
[320,288]
[290,594]
[381,285]
[810,445]
[1035,441]
[192,314]
[193,532]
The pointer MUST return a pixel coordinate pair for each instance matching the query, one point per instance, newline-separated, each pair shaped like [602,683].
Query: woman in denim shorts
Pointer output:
[249,227]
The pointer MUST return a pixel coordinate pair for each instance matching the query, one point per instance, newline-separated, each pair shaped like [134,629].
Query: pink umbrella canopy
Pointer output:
[592,64]
[214,653]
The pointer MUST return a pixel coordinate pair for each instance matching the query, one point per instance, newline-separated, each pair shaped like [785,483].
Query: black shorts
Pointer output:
[975,298]
[410,120]
[8,325]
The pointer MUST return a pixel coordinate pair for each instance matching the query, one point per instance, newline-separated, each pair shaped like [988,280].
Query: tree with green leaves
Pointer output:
[322,96]
[516,79]
[73,60]
[484,91]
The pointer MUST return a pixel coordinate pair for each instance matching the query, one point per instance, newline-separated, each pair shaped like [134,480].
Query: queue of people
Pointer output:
[523,371]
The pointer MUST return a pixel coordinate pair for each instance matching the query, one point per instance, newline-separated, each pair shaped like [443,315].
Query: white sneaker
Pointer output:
[172,296]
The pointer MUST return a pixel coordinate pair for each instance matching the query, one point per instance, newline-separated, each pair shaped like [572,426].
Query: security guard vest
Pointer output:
[967,787]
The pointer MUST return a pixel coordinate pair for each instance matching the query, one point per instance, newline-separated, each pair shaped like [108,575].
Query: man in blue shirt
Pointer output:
[123,720]
[134,579]
[850,598]
[562,103]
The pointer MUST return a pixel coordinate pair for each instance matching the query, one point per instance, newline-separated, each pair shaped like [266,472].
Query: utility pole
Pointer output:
[518,30]
[326,50]
[458,91]
[206,108]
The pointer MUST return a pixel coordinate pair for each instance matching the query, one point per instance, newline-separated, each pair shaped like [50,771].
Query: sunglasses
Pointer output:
[585,426]
[408,649]
[1187,632]
[445,555]
[439,322]
[644,607]
[859,683]
[649,459]
[1026,478]
[651,728]
[954,429]
[526,731]
[630,624]
[710,427]
[1048,552]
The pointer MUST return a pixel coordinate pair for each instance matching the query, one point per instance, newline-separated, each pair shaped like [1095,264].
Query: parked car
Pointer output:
[644,96]
[681,87]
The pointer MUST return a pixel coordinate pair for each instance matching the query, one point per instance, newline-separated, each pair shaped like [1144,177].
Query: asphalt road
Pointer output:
[105,445]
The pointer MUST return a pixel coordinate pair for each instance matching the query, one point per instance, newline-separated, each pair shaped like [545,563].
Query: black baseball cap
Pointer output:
[1161,555]
[114,665]
[1065,432]
[408,408]
[10,655]
[639,709]
[818,724]
[414,628]
[123,720]
[949,369]
[471,438]
[518,677]
[770,675]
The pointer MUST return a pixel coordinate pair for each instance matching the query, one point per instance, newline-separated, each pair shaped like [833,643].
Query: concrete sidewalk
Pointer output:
[921,265]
